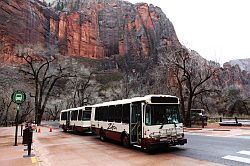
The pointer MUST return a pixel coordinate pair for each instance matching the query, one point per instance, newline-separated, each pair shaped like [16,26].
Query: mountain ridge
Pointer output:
[244,64]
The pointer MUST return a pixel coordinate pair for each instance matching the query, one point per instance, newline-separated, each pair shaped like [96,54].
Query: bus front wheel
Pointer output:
[125,141]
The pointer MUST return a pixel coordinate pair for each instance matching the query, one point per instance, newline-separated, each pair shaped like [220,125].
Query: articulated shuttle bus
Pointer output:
[76,119]
[144,122]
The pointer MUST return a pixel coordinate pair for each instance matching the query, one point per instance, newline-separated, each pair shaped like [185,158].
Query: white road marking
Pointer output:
[244,152]
[236,158]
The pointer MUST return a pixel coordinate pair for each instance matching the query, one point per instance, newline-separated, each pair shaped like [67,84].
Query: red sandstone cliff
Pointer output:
[21,22]
[93,28]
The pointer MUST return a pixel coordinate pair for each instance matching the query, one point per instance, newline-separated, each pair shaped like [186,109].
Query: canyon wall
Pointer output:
[91,28]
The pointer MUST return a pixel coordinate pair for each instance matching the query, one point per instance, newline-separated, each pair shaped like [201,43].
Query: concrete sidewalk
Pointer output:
[13,155]
[221,131]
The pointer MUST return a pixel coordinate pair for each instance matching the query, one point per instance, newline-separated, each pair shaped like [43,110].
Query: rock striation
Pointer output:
[90,28]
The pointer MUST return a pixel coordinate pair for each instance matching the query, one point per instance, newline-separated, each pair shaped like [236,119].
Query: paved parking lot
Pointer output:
[59,148]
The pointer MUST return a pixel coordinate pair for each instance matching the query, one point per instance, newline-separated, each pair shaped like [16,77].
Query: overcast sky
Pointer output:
[218,29]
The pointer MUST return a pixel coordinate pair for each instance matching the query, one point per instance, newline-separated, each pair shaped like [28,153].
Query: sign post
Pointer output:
[18,97]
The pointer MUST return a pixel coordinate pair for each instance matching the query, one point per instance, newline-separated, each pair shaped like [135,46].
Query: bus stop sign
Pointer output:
[18,97]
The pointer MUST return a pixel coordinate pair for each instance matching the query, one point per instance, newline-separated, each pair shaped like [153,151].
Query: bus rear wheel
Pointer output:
[64,128]
[125,141]
[102,136]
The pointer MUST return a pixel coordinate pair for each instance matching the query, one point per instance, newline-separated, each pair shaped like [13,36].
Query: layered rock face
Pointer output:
[101,28]
[89,28]
[21,22]
[232,75]
[95,29]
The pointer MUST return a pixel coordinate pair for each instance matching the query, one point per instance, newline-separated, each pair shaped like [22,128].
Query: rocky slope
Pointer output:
[89,28]
[97,29]
[244,64]
[124,42]
[232,75]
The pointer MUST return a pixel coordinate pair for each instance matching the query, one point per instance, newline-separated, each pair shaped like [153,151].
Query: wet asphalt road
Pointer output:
[201,148]
[59,148]
[212,149]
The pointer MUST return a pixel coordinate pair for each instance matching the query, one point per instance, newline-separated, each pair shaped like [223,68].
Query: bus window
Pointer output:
[97,113]
[74,115]
[86,115]
[105,113]
[148,115]
[101,113]
[111,110]
[125,113]
[64,116]
[136,115]
[118,113]
[80,115]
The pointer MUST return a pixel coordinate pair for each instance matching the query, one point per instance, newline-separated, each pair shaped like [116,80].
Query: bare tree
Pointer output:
[81,90]
[2,108]
[41,74]
[122,90]
[191,78]
[82,94]
[5,104]
[54,113]
[26,110]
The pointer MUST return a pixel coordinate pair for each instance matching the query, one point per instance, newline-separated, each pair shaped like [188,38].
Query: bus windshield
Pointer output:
[160,114]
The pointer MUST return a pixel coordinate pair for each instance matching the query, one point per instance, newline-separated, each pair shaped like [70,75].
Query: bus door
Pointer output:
[68,120]
[135,124]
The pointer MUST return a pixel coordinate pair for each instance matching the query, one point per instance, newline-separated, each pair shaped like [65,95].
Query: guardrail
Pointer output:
[237,121]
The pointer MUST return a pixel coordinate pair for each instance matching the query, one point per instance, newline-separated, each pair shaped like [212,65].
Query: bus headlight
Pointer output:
[154,135]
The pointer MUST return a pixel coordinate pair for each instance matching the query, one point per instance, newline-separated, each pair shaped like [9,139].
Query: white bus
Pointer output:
[199,112]
[76,119]
[144,122]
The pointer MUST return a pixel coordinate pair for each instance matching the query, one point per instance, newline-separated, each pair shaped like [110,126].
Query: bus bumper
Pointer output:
[156,144]
[171,143]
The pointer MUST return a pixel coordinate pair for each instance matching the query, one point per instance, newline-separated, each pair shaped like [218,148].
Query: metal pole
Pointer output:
[202,119]
[21,129]
[17,112]
[236,121]
[29,148]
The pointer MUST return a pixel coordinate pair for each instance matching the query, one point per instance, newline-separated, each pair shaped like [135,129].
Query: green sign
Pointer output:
[18,97]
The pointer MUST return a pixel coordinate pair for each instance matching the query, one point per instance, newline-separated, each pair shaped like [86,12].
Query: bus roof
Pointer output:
[146,98]
[78,108]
